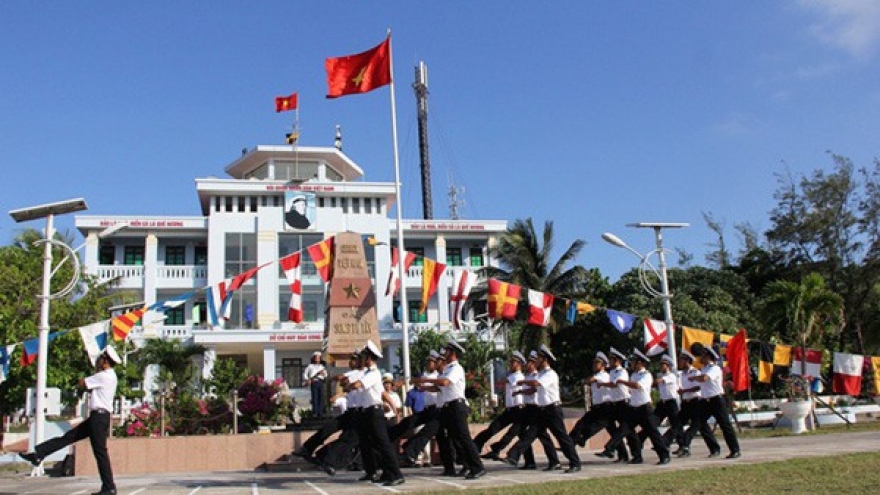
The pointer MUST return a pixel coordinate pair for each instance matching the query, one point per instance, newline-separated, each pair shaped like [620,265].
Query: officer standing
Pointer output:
[314,376]
[714,402]
[640,412]
[376,448]
[454,411]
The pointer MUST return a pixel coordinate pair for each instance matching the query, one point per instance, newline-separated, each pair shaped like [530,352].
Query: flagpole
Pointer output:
[404,307]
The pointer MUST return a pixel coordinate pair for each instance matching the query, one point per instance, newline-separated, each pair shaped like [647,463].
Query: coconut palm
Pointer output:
[174,358]
[525,259]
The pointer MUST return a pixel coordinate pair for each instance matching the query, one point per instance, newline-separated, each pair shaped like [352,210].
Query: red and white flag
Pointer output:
[540,306]
[847,373]
[656,336]
[463,281]
[812,365]
[393,278]
[291,264]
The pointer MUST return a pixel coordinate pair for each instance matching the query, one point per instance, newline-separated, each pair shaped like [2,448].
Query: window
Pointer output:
[241,253]
[355,205]
[134,255]
[175,255]
[312,304]
[453,257]
[414,315]
[368,205]
[200,314]
[420,253]
[175,316]
[201,255]
[291,370]
[291,243]
[476,256]
[243,312]
[106,254]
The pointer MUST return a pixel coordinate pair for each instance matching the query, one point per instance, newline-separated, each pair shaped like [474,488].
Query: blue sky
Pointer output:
[589,114]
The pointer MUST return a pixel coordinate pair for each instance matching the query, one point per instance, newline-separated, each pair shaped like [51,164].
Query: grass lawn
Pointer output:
[857,473]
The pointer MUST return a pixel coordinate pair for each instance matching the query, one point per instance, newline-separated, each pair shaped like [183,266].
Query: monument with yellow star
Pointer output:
[351,318]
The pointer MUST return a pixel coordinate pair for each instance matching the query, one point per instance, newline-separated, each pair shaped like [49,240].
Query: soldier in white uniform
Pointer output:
[667,409]
[513,406]
[640,413]
[428,418]
[714,402]
[691,407]
[376,448]
[619,408]
[601,414]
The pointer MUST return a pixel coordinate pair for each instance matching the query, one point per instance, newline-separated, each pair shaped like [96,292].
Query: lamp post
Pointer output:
[47,211]
[646,267]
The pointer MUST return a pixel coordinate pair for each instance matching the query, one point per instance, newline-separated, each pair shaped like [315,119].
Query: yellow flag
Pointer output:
[875,362]
[690,336]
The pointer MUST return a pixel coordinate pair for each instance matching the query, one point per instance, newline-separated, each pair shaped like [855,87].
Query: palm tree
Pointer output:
[174,358]
[524,260]
[807,310]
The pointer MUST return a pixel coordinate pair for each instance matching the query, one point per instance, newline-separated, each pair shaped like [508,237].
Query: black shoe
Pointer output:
[714,454]
[449,474]
[636,460]
[491,455]
[605,454]
[678,451]
[682,453]
[394,482]
[475,474]
[663,460]
[330,470]
[407,461]
[734,455]
[511,461]
[372,478]
[621,460]
[31,457]
[529,467]
[463,472]
[105,492]
[553,467]
[573,469]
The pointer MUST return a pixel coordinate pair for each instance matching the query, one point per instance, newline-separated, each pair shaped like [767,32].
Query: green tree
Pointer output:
[21,269]
[525,260]
[177,371]
[226,376]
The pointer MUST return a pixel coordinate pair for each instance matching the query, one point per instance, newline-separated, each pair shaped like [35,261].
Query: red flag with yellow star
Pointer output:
[503,298]
[322,255]
[359,73]
[285,103]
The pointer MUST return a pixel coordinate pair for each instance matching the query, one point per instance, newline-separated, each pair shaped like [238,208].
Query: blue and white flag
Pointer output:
[219,297]
[623,322]
[5,359]
[163,306]
[94,338]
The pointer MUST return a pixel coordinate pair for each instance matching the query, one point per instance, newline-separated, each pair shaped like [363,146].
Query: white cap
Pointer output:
[387,377]
[640,356]
[433,355]
[617,354]
[111,354]
[545,351]
[316,353]
[668,360]
[518,356]
[600,356]
[372,349]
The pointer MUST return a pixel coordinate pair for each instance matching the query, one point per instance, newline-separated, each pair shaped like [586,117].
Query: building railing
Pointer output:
[185,272]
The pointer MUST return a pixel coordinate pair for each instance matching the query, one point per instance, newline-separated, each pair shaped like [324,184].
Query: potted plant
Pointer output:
[798,406]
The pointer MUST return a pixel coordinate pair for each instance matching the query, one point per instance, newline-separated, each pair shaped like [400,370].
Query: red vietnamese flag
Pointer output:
[540,306]
[359,73]
[503,298]
[322,255]
[738,361]
[431,273]
[285,103]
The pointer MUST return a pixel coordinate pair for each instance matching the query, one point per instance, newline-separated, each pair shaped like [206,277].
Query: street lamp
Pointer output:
[646,267]
[47,211]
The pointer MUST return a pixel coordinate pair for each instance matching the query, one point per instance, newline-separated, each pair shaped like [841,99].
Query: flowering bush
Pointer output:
[258,400]
[143,421]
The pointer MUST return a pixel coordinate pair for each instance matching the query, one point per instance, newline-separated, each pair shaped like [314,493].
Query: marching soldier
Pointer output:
[691,405]
[376,448]
[640,412]
[530,414]
[714,402]
[513,406]
[600,414]
[454,411]
[550,410]
[619,408]
[667,408]
[428,418]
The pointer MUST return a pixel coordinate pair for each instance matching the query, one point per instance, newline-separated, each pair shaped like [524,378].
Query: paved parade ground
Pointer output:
[312,481]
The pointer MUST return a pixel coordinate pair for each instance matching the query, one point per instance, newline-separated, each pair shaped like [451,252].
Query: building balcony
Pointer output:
[181,276]
[414,274]
[125,276]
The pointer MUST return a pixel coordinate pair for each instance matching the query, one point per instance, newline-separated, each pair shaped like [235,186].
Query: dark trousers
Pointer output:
[528,431]
[592,422]
[429,419]
[548,419]
[502,421]
[666,409]
[716,407]
[342,451]
[96,428]
[454,420]
[329,428]
[317,389]
[620,430]
[376,449]
[643,417]
[692,411]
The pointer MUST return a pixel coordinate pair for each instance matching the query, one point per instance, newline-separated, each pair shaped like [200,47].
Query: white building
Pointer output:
[245,222]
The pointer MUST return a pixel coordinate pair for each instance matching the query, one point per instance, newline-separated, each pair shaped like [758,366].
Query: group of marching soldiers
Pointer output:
[620,402]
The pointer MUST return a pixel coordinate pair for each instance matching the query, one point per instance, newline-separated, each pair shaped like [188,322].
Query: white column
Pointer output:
[266,312]
[90,254]
[269,362]
[208,360]
[151,266]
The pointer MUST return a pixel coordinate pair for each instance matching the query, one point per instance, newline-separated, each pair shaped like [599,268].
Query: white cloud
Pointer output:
[851,25]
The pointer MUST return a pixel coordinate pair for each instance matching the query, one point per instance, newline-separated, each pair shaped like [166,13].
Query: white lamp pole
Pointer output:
[645,267]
